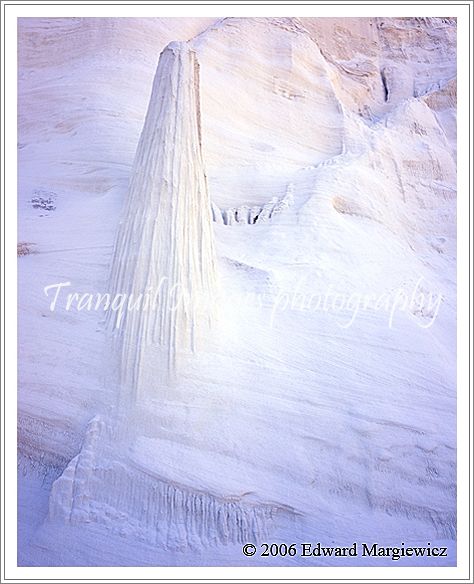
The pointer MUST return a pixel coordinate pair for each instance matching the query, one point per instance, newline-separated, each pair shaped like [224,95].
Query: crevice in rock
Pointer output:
[385,85]
[245,215]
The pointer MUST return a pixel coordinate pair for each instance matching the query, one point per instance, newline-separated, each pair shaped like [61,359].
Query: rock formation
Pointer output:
[165,242]
[322,401]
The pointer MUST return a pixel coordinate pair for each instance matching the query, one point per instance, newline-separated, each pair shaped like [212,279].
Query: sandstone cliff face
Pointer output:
[329,149]
[87,79]
[380,62]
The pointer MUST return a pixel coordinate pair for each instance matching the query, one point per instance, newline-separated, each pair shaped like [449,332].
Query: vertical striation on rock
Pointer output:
[164,259]
[100,488]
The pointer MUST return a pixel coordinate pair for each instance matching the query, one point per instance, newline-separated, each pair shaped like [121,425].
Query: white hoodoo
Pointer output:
[164,259]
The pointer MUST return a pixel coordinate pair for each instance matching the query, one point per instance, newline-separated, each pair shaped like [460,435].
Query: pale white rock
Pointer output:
[165,244]
[268,107]
[343,130]
[87,81]
[245,215]
[216,213]
[100,487]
